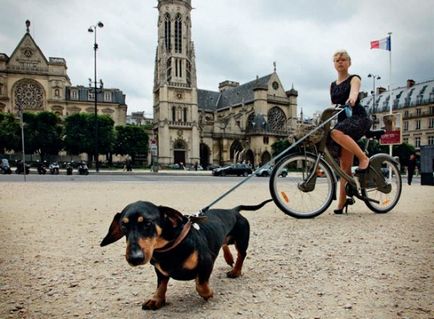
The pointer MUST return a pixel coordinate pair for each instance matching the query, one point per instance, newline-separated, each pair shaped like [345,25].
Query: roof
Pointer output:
[418,94]
[212,100]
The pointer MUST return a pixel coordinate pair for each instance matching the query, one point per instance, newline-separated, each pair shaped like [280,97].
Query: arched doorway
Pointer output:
[250,157]
[265,157]
[179,148]
[204,155]
[236,148]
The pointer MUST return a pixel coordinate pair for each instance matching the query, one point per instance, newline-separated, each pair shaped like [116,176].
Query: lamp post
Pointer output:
[374,103]
[93,29]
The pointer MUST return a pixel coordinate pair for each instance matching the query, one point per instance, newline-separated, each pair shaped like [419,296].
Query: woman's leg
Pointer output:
[347,143]
[346,162]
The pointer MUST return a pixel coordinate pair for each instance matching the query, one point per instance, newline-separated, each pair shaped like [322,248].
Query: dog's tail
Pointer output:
[252,207]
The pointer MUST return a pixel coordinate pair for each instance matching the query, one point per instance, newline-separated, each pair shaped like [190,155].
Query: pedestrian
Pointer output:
[352,124]
[411,167]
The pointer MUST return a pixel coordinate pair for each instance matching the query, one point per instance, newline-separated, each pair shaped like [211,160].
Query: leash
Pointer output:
[274,159]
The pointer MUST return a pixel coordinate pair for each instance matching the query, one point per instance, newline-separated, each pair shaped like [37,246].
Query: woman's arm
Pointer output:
[354,93]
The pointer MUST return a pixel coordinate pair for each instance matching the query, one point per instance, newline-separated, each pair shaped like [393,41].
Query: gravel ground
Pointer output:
[359,265]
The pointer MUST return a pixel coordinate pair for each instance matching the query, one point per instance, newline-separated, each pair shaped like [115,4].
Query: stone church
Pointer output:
[30,81]
[239,122]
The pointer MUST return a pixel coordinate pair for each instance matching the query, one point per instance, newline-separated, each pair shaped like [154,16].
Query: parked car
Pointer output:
[234,169]
[266,171]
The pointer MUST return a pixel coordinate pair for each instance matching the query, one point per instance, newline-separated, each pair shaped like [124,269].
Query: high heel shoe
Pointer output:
[348,202]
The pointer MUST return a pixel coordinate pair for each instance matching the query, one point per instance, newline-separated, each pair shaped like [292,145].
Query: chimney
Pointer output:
[410,83]
[225,85]
[380,90]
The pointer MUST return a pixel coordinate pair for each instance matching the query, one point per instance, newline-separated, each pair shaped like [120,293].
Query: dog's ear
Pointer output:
[114,233]
[172,215]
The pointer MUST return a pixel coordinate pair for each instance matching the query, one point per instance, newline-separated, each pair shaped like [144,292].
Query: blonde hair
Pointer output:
[341,53]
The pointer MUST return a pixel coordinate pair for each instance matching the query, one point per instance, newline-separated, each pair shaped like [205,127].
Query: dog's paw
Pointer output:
[233,274]
[153,304]
[208,296]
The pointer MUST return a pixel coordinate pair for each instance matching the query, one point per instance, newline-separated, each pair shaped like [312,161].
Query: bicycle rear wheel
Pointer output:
[288,192]
[389,196]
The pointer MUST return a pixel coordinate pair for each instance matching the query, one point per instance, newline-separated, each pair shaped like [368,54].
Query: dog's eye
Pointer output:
[124,225]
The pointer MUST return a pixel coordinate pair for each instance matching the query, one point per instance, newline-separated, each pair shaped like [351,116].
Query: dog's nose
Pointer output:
[136,257]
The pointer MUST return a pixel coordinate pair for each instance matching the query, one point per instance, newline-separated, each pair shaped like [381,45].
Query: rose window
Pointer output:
[29,95]
[276,119]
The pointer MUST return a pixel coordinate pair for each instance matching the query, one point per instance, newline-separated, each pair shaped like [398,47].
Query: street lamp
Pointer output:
[374,103]
[93,29]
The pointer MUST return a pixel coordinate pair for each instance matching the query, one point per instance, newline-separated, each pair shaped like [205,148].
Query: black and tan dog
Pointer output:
[178,246]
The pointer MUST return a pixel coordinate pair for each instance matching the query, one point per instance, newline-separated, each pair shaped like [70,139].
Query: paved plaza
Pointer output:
[359,265]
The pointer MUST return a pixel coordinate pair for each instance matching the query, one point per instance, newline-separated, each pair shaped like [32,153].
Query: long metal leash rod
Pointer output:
[270,161]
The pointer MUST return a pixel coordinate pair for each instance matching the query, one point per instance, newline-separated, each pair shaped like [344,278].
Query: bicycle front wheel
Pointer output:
[292,195]
[386,197]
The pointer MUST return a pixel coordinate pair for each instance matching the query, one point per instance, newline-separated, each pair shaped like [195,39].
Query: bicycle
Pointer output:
[310,185]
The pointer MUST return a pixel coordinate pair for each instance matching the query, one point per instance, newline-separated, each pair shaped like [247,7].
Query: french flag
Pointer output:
[384,44]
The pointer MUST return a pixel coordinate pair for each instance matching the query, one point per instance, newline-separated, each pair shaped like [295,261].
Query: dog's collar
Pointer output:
[184,232]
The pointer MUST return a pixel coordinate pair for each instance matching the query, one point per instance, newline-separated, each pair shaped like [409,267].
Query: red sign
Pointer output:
[391,137]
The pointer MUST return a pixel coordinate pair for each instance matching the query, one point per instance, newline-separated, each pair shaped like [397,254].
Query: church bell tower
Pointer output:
[175,86]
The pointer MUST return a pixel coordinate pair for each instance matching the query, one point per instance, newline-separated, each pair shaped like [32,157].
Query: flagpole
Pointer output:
[390,82]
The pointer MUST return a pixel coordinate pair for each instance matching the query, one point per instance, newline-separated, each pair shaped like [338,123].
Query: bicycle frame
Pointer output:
[321,152]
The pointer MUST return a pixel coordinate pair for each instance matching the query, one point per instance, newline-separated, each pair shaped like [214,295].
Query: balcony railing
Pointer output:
[180,124]
[266,131]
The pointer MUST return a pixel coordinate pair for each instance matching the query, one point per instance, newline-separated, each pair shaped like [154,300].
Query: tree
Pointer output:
[279,146]
[43,133]
[131,140]
[9,132]
[80,134]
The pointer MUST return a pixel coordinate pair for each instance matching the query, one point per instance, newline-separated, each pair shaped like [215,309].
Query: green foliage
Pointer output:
[43,133]
[131,140]
[279,146]
[9,132]
[80,133]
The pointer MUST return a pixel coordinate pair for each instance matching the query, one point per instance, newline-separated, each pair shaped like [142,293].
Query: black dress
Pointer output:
[355,126]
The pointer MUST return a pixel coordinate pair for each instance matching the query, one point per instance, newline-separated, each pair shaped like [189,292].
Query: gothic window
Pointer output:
[276,119]
[251,122]
[188,72]
[167,32]
[178,34]
[185,114]
[169,69]
[173,114]
[29,94]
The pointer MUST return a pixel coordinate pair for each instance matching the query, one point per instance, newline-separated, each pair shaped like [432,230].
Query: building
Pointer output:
[139,118]
[237,122]
[415,103]
[30,81]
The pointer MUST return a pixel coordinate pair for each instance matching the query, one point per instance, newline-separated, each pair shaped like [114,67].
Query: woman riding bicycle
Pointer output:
[352,124]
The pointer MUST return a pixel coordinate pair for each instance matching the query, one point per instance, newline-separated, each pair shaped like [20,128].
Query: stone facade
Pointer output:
[235,123]
[30,81]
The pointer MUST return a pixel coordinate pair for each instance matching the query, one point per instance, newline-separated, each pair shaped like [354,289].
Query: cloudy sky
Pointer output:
[234,40]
